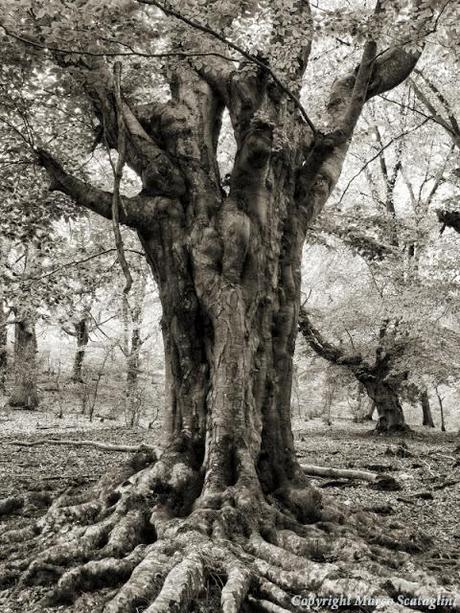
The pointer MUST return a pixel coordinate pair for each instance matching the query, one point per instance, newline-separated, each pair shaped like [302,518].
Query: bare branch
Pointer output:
[450,124]
[324,348]
[374,157]
[77,262]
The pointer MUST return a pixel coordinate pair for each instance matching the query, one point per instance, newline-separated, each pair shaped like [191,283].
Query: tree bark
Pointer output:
[25,393]
[426,409]
[82,335]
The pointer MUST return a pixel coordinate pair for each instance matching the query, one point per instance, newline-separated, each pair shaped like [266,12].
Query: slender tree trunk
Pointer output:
[132,373]
[133,343]
[25,392]
[328,396]
[441,408]
[3,348]
[426,409]
[82,336]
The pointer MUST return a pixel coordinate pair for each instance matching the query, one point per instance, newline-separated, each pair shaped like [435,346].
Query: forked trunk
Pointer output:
[426,409]
[82,336]
[230,292]
[25,392]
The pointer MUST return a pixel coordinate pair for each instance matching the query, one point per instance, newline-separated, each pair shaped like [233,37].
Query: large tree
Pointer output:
[227,494]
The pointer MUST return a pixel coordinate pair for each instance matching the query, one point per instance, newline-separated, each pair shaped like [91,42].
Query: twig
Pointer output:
[132,51]
[82,261]
[374,157]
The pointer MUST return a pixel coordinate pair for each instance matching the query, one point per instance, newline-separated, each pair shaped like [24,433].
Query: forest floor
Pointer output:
[426,464]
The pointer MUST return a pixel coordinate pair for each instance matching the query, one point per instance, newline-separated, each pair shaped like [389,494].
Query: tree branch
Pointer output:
[374,76]
[322,347]
[450,125]
[105,53]
[141,211]
[374,157]
[359,93]
[77,262]
[384,481]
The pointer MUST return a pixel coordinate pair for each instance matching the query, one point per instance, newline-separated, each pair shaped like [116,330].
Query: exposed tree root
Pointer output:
[154,536]
[12,504]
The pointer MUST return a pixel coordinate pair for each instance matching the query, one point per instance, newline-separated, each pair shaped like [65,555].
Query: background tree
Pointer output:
[394,230]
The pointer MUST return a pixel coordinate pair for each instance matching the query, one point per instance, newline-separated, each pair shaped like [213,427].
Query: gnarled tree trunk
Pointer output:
[25,393]
[387,403]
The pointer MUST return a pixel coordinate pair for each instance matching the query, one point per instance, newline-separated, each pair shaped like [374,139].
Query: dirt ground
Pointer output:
[425,464]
